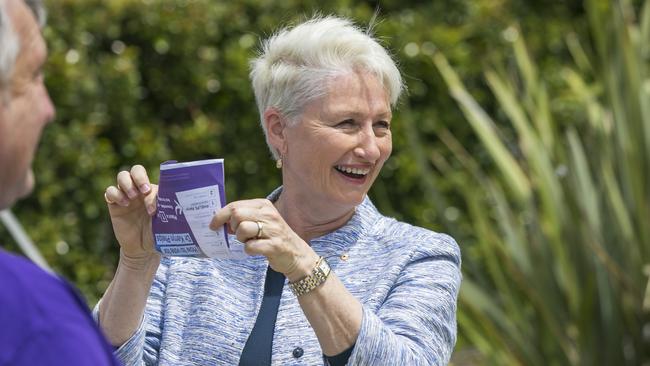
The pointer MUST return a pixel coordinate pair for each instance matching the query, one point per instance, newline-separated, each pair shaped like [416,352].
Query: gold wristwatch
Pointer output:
[315,279]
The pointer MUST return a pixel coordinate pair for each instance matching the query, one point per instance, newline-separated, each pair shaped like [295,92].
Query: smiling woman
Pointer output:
[335,152]
[367,289]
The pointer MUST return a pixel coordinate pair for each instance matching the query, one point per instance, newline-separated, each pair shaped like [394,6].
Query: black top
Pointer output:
[258,348]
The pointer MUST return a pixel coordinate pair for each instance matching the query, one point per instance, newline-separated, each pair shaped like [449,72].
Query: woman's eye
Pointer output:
[383,124]
[345,124]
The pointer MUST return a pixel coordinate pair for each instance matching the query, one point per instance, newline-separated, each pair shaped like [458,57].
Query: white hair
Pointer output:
[296,63]
[9,47]
[10,42]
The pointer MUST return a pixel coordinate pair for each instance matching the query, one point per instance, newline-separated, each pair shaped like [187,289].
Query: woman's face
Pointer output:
[336,150]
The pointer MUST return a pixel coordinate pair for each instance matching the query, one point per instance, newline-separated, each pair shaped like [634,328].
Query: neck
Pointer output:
[311,222]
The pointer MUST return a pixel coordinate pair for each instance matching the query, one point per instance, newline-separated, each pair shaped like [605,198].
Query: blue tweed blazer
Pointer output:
[201,311]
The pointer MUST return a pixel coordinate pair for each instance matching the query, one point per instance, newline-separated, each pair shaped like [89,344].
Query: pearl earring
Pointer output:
[278,163]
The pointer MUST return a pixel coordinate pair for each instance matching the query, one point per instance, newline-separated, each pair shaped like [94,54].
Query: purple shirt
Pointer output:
[43,321]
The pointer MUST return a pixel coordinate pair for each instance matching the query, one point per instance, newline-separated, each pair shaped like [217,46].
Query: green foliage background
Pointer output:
[152,80]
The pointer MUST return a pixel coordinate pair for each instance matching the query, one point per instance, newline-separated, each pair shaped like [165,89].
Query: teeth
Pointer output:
[353,170]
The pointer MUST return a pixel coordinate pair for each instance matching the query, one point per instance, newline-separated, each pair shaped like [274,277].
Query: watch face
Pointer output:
[324,266]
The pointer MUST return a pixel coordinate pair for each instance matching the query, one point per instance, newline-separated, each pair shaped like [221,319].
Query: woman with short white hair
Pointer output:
[330,280]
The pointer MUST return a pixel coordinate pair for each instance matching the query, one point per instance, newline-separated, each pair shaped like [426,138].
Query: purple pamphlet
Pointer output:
[189,194]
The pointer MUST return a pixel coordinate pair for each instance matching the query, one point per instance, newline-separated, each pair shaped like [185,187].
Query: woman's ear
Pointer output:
[275,130]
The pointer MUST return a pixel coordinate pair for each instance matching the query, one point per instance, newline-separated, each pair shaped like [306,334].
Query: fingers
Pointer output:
[241,213]
[126,184]
[238,211]
[114,196]
[260,227]
[259,247]
[221,217]
[130,185]
[150,199]
[141,179]
[248,230]
[134,182]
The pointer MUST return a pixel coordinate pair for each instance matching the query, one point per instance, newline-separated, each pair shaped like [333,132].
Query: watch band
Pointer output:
[315,279]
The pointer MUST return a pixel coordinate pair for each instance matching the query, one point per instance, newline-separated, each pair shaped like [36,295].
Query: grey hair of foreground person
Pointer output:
[295,65]
[10,42]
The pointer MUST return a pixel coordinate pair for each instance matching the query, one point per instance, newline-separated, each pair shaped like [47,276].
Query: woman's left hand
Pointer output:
[259,225]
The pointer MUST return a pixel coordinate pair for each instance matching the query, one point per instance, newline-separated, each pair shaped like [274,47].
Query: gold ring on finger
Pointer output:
[260,231]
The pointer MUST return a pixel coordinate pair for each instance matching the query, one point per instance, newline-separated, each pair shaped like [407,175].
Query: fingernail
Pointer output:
[145,188]
[150,210]
[124,203]
[131,193]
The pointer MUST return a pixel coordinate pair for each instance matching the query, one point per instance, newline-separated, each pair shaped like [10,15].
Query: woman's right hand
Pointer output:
[131,204]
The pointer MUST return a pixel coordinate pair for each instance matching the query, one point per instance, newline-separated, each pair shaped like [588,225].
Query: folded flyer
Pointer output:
[189,194]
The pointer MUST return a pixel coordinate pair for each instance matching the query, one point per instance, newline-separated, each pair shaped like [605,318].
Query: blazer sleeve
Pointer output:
[144,345]
[416,324]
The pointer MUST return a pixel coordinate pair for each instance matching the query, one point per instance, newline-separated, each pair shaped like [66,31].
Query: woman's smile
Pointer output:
[355,175]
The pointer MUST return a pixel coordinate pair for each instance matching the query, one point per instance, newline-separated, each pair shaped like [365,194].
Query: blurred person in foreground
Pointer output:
[42,319]
[330,280]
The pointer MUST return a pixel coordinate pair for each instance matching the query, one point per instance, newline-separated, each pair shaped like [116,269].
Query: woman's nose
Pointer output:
[368,147]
